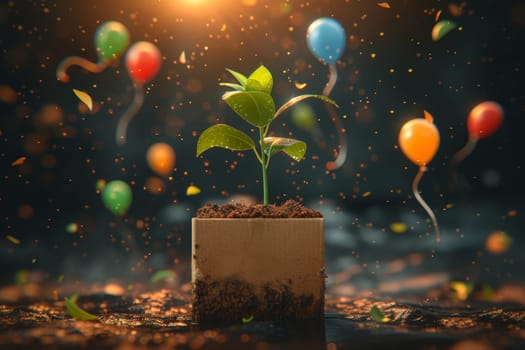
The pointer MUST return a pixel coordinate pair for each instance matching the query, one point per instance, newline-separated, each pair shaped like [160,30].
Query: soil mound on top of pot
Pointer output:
[289,209]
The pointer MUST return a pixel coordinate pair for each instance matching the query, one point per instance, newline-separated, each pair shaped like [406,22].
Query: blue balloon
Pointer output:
[326,39]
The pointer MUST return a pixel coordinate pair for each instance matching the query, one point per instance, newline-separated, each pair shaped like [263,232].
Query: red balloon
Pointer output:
[143,61]
[484,119]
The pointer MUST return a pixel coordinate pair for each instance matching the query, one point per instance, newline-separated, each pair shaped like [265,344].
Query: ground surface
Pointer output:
[160,319]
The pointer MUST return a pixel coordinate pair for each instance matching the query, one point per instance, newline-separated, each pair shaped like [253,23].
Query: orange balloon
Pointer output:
[419,140]
[161,158]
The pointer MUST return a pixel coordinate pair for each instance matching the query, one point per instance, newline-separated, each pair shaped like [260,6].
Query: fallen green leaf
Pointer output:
[378,316]
[163,275]
[247,320]
[76,311]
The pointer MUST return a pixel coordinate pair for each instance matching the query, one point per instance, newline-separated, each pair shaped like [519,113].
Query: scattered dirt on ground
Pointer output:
[289,209]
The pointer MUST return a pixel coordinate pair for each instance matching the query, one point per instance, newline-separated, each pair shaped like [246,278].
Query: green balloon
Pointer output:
[111,40]
[117,197]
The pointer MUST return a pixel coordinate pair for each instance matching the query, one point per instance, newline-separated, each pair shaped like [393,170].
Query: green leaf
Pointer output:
[260,80]
[236,87]
[294,149]
[241,78]
[296,99]
[254,85]
[256,107]
[76,312]
[225,136]
[163,275]
[247,320]
[378,316]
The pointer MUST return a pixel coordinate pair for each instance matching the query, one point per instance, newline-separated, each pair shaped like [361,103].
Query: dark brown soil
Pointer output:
[231,300]
[289,209]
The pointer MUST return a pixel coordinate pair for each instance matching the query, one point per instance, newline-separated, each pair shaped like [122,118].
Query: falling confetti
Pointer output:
[300,86]
[19,161]
[13,240]
[182,57]
[85,98]
[192,190]
[398,227]
[442,28]
[438,14]
[384,5]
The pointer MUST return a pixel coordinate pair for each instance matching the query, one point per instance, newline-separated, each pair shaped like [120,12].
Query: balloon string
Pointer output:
[332,79]
[422,202]
[125,119]
[456,161]
[343,150]
[78,61]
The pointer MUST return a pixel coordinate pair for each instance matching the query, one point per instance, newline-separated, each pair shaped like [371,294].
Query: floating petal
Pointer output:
[13,239]
[85,98]
[192,190]
[19,161]
[442,28]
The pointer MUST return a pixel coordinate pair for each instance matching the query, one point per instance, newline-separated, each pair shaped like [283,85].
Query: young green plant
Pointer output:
[252,101]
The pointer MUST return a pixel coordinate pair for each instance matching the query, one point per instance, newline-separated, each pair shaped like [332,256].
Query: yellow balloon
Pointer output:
[419,140]
[161,158]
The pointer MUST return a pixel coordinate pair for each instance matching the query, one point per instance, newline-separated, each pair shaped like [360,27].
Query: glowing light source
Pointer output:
[193,2]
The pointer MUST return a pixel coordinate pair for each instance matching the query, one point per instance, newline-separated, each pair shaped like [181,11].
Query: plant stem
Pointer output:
[263,167]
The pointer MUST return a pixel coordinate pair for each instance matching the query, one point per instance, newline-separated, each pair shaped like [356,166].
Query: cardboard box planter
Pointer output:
[271,269]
